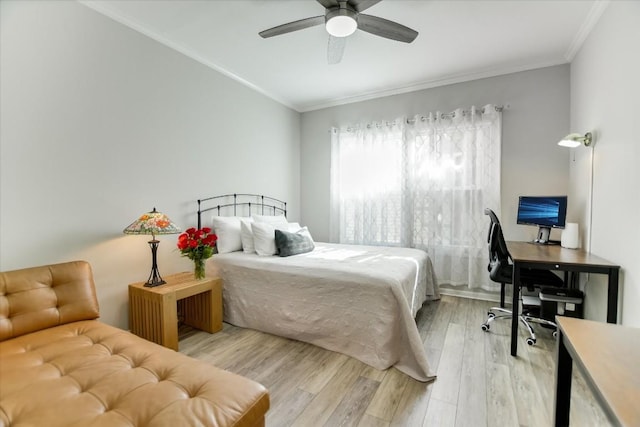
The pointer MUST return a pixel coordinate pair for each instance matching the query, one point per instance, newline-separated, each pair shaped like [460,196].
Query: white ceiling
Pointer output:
[459,40]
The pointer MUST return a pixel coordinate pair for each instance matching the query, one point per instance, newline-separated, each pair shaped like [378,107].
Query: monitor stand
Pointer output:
[543,235]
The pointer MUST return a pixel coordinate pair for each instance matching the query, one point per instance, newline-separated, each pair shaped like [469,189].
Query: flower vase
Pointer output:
[199,268]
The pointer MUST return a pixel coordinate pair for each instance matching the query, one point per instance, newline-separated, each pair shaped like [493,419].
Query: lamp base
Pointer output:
[154,278]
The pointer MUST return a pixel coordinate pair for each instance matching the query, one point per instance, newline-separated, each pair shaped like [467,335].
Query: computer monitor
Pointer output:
[546,212]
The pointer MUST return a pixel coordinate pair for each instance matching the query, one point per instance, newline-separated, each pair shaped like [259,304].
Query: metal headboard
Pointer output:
[263,205]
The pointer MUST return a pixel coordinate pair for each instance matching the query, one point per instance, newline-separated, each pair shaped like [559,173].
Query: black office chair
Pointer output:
[501,271]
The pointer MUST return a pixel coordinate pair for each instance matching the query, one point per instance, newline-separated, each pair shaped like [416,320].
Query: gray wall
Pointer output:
[532,163]
[605,98]
[100,124]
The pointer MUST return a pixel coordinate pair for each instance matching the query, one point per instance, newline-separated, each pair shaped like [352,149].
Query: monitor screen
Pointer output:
[549,211]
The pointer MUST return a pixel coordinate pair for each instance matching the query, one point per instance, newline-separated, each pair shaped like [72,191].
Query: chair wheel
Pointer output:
[490,314]
[531,341]
[485,327]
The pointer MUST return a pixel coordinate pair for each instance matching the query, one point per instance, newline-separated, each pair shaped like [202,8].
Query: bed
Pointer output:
[357,300]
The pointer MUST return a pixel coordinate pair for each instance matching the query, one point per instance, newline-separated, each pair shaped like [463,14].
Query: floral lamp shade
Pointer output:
[153,223]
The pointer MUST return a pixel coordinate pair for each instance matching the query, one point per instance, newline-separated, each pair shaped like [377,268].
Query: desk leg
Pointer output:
[564,366]
[612,297]
[515,307]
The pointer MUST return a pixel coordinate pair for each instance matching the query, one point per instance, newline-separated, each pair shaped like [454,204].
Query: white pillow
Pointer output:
[294,227]
[264,237]
[227,228]
[270,219]
[305,232]
[246,235]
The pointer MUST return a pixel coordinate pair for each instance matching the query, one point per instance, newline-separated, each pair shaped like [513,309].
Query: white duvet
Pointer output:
[357,300]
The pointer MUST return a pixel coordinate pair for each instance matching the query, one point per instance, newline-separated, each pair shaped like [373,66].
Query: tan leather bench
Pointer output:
[61,367]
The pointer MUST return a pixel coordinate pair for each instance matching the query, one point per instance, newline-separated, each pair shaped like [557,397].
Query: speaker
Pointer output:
[570,238]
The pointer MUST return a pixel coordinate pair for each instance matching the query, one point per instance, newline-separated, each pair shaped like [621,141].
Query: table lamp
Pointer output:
[153,223]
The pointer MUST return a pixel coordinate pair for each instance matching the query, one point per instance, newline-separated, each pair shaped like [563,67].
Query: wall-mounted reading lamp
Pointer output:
[575,140]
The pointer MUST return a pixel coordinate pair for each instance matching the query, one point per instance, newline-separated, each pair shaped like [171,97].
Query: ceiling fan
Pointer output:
[343,18]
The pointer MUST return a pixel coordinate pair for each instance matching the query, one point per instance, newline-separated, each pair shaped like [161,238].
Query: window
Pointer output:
[423,184]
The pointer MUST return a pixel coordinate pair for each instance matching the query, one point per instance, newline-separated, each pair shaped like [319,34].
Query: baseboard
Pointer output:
[471,294]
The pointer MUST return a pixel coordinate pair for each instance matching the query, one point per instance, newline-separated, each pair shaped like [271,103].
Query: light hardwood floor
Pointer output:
[479,383]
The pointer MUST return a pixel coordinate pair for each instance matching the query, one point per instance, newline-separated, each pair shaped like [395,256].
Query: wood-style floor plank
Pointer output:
[501,401]
[352,407]
[284,411]
[371,421]
[473,371]
[413,404]
[327,400]
[386,400]
[478,383]
[317,378]
[447,385]
[439,413]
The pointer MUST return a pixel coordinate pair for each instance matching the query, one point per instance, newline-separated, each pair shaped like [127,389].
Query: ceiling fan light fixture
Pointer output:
[341,22]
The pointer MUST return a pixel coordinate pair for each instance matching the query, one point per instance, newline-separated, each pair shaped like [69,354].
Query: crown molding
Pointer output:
[592,18]
[594,15]
[429,84]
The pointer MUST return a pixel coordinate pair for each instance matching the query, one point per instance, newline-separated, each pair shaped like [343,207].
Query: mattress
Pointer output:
[356,300]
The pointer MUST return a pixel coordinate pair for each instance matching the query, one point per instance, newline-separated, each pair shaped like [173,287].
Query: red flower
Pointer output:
[197,244]
[182,241]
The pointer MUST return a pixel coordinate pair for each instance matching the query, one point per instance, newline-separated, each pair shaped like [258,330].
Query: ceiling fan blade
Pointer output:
[328,3]
[335,49]
[362,5]
[385,28]
[292,26]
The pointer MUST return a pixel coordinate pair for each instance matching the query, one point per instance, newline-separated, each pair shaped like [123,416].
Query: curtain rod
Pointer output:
[451,115]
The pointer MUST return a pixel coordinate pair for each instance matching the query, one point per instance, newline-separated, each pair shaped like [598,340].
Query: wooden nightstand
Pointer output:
[153,312]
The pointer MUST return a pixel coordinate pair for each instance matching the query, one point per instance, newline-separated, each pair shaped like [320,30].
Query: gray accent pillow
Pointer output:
[292,243]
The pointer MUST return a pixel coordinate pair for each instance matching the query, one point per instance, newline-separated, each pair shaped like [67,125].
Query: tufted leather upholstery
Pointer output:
[40,297]
[86,373]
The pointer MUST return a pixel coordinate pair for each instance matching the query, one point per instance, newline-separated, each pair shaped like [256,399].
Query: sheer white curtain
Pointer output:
[421,183]
[367,176]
